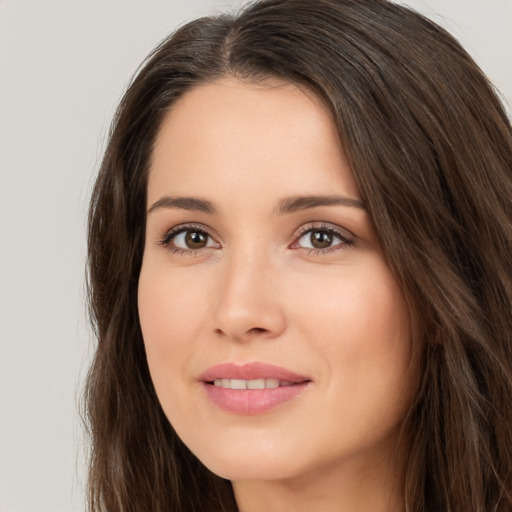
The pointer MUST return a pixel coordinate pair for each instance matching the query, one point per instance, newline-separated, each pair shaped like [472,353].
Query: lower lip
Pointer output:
[252,401]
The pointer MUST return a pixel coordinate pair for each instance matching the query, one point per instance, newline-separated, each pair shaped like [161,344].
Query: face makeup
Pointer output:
[276,335]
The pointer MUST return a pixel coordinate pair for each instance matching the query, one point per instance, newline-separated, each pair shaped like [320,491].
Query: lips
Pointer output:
[252,388]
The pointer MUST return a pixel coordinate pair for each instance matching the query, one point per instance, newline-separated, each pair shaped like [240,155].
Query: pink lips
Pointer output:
[252,401]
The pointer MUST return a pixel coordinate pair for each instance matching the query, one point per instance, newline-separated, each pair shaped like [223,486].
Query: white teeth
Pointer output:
[238,384]
[256,384]
[251,384]
[271,383]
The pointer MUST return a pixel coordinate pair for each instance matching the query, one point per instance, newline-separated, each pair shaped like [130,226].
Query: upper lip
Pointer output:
[251,371]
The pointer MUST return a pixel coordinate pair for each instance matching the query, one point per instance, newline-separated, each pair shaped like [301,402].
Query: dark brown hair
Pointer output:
[431,149]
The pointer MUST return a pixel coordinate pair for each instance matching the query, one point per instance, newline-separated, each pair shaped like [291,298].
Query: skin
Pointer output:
[259,291]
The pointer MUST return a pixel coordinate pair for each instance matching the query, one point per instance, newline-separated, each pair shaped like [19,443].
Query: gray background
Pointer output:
[63,67]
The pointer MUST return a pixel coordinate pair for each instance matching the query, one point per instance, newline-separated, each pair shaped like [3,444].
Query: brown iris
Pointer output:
[196,239]
[321,239]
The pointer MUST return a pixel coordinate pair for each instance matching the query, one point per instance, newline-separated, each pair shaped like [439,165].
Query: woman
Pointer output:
[299,271]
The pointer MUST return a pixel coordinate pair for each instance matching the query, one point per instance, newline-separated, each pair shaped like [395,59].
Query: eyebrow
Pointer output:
[296,203]
[184,203]
[286,205]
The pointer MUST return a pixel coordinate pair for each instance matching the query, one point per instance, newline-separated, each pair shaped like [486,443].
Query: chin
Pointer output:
[256,462]
[250,469]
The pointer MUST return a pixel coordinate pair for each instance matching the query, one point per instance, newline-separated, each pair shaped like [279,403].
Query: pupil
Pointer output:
[321,239]
[195,240]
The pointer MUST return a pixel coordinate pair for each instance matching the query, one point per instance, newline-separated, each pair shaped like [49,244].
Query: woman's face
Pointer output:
[277,338]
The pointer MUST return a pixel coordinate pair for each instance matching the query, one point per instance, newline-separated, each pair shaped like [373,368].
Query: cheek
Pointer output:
[360,309]
[156,304]
[170,318]
[359,322]
[169,308]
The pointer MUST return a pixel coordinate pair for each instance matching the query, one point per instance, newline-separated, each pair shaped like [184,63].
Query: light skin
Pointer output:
[268,277]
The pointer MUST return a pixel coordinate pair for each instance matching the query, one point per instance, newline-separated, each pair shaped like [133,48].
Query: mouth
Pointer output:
[255,373]
[251,384]
[252,388]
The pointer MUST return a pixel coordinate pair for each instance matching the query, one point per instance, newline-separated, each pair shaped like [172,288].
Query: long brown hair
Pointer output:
[431,149]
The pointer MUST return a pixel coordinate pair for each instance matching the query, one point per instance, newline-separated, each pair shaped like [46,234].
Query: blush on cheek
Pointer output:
[158,307]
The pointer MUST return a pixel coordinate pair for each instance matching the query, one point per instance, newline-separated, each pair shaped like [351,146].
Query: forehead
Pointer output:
[268,137]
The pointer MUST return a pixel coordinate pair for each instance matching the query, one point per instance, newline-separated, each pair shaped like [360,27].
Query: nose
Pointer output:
[248,304]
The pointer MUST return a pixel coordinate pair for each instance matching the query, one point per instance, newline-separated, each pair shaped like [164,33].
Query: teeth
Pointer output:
[271,383]
[238,384]
[256,384]
[251,384]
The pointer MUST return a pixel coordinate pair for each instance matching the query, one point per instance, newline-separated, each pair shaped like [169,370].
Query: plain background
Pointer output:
[63,67]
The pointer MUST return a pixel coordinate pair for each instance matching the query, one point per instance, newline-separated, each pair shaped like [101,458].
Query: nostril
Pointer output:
[248,334]
[257,330]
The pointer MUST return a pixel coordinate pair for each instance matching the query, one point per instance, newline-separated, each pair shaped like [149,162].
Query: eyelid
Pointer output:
[346,237]
[169,234]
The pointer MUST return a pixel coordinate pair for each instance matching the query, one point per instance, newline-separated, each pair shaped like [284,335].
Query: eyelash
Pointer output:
[172,233]
[345,237]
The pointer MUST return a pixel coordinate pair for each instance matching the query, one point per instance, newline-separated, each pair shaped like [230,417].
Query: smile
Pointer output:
[253,388]
[251,384]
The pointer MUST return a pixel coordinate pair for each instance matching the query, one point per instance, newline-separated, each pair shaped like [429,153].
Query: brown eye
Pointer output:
[190,240]
[195,239]
[320,239]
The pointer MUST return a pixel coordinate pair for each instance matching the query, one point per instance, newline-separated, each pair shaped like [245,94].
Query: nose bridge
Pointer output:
[248,302]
